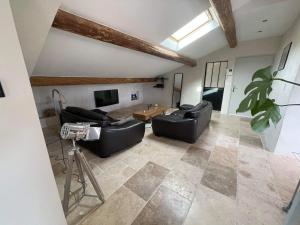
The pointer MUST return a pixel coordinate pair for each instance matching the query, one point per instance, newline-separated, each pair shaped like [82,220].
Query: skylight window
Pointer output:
[196,23]
[195,29]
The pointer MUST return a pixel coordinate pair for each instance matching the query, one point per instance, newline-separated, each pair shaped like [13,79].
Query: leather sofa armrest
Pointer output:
[186,107]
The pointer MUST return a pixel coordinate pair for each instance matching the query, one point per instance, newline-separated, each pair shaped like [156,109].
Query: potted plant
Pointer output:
[258,102]
[262,108]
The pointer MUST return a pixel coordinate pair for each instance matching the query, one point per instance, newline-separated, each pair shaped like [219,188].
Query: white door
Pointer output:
[244,69]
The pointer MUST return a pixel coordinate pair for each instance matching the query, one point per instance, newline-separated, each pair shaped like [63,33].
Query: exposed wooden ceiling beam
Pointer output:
[61,81]
[224,10]
[78,25]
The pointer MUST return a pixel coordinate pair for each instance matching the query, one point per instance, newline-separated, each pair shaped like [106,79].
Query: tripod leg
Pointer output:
[80,171]
[90,174]
[68,182]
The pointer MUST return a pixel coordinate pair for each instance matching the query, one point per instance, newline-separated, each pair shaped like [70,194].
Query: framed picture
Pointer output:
[284,56]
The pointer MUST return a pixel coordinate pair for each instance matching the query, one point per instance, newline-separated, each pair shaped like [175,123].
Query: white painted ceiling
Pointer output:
[249,15]
[68,54]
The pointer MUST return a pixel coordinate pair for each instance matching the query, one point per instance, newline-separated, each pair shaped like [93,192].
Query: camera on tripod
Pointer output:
[80,131]
[76,132]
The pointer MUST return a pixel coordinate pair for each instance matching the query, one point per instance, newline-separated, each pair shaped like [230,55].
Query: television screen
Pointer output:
[106,97]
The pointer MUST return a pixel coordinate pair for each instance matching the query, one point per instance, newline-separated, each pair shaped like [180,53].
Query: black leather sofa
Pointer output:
[185,124]
[115,135]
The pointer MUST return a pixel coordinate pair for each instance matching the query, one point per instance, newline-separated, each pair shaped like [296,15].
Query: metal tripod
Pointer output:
[83,166]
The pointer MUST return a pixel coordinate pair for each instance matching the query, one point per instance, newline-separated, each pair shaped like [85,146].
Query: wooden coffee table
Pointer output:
[146,115]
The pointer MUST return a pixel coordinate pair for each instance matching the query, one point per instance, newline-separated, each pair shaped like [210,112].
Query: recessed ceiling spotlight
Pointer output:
[265,20]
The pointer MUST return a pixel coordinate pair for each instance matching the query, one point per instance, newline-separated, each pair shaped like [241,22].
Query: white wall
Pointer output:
[28,193]
[33,21]
[192,78]
[286,134]
[83,96]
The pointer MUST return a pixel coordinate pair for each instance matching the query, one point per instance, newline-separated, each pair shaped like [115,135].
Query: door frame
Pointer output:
[234,77]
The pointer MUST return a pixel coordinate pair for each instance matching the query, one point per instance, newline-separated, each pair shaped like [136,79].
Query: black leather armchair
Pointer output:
[115,135]
[186,125]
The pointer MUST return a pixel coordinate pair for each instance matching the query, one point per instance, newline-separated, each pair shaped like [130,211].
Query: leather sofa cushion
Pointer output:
[99,111]
[87,114]
[121,122]
[196,111]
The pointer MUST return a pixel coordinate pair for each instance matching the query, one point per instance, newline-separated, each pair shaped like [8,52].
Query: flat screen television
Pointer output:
[106,97]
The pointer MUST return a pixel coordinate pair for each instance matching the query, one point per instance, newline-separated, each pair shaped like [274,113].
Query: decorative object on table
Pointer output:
[262,107]
[258,102]
[284,56]
[146,115]
[2,95]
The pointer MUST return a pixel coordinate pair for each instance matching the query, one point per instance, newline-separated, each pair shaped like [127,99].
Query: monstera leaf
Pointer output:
[258,90]
[264,113]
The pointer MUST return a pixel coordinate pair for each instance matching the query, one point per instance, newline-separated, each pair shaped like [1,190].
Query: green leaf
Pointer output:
[262,107]
[258,90]
[263,74]
[248,103]
[264,113]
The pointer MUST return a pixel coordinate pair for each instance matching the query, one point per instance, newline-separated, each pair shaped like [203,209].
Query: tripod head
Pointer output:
[80,131]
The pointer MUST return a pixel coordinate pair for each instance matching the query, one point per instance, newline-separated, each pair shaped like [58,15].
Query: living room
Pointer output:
[139,112]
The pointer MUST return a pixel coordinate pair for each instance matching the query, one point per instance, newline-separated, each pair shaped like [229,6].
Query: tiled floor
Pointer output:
[224,178]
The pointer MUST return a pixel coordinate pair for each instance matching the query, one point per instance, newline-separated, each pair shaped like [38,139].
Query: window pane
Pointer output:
[222,77]
[191,26]
[209,69]
[215,78]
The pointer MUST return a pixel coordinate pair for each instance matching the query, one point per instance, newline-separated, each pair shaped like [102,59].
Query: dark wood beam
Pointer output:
[224,10]
[61,81]
[78,25]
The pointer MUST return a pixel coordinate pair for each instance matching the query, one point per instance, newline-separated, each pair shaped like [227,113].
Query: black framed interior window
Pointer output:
[215,74]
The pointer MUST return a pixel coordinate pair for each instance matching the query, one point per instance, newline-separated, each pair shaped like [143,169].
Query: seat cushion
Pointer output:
[99,111]
[87,113]
[196,111]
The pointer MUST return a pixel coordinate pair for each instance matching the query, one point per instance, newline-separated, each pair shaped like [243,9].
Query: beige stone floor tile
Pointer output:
[112,182]
[211,208]
[286,171]
[193,173]
[227,141]
[257,208]
[250,141]
[167,157]
[181,184]
[221,179]
[146,180]
[229,131]
[120,209]
[225,156]
[197,157]
[165,208]
[206,141]
[135,161]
